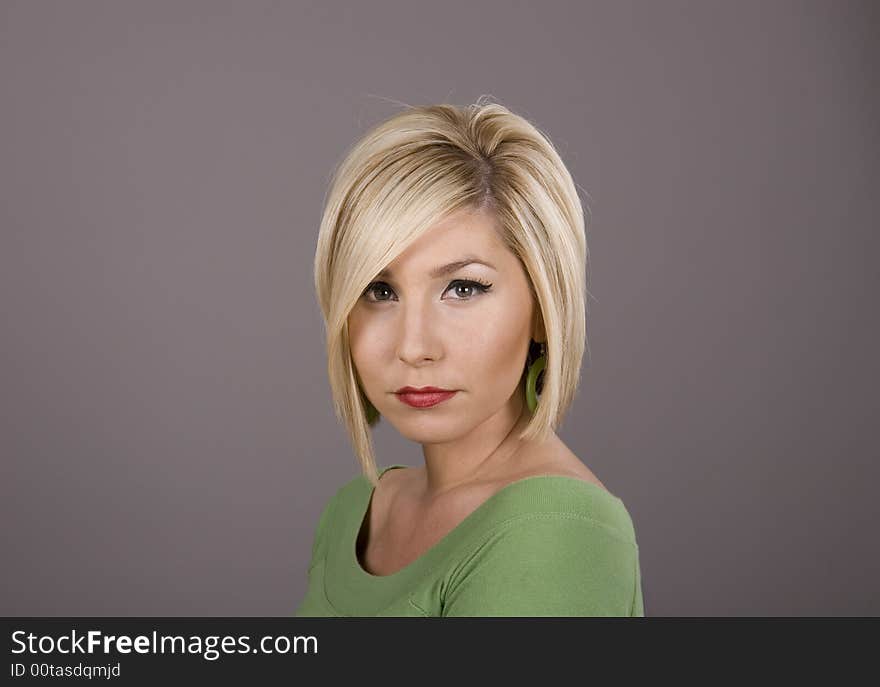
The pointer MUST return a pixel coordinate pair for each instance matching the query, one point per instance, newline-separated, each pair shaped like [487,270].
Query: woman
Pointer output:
[450,270]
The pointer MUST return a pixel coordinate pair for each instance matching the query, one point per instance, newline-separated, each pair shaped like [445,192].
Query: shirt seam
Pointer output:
[417,607]
[614,532]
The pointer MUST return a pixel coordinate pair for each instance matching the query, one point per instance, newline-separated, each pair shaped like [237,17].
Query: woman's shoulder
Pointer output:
[562,496]
[547,562]
[557,484]
[555,542]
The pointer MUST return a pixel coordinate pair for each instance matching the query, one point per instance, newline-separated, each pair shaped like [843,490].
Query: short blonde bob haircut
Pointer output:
[409,172]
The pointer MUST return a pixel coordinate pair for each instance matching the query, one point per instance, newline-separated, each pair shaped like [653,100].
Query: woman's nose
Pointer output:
[416,336]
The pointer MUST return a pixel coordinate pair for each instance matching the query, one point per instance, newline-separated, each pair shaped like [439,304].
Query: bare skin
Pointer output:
[404,520]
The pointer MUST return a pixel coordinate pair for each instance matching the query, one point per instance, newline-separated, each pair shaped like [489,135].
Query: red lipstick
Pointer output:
[423,397]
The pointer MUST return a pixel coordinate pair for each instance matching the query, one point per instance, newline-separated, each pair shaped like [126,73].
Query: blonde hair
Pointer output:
[411,171]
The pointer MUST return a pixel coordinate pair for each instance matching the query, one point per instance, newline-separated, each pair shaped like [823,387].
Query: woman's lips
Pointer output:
[425,399]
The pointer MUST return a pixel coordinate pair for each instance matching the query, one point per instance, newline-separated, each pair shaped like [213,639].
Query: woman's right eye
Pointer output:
[377,287]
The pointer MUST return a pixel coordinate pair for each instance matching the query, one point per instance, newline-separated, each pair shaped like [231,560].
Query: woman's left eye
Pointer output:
[474,286]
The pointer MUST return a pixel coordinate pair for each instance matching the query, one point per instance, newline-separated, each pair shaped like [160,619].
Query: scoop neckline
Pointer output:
[450,536]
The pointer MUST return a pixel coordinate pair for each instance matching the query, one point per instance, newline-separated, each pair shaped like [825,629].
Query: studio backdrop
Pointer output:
[167,434]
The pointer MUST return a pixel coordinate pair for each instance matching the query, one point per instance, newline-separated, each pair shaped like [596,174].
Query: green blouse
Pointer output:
[545,545]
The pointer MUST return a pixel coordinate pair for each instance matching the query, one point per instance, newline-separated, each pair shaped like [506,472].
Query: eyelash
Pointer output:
[479,287]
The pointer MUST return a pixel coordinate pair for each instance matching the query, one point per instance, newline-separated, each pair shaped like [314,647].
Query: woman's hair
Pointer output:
[411,171]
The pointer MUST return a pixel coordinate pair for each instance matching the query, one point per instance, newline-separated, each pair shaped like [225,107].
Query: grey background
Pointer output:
[167,434]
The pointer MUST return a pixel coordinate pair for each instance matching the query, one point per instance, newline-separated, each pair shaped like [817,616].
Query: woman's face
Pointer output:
[465,330]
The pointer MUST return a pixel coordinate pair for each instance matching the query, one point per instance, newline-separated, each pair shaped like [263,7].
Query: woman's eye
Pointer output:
[376,286]
[465,289]
[468,288]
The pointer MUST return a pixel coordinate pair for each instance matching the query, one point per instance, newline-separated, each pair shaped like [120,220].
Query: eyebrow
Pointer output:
[449,268]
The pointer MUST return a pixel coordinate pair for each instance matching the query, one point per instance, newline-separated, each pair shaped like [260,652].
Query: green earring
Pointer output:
[532,382]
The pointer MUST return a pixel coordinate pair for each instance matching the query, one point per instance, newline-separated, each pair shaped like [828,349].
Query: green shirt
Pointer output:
[545,545]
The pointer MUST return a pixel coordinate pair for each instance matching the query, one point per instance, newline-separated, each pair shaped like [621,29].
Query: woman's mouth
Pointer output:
[425,399]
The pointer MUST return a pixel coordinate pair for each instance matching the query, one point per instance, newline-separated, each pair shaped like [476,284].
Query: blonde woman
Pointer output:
[450,270]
